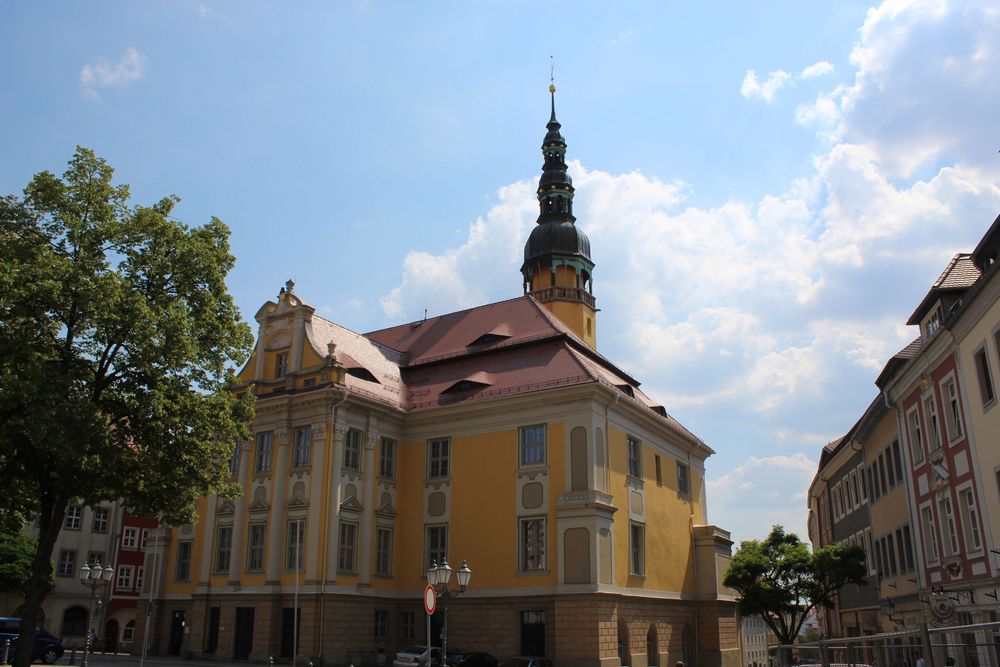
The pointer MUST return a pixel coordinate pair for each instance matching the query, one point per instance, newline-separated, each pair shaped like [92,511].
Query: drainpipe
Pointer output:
[345,393]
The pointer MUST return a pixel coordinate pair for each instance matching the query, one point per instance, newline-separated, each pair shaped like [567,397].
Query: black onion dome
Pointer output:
[557,238]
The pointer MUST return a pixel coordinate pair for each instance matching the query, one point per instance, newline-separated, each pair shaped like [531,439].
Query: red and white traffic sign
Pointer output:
[430,600]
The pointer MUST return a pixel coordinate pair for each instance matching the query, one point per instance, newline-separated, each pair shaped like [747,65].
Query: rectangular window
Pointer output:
[303,447]
[383,551]
[262,462]
[855,491]
[281,365]
[985,377]
[74,517]
[352,449]
[381,626]
[407,625]
[293,545]
[949,537]
[130,537]
[845,484]
[870,551]
[879,562]
[908,546]
[100,520]
[659,471]
[934,436]
[183,570]
[970,520]
[890,471]
[881,475]
[683,479]
[872,486]
[891,548]
[437,457]
[255,547]
[125,573]
[95,557]
[930,534]
[437,545]
[897,461]
[634,458]
[637,544]
[532,549]
[145,536]
[223,548]
[531,441]
[66,567]
[916,437]
[348,542]
[953,413]
[387,459]
[139,577]
[234,459]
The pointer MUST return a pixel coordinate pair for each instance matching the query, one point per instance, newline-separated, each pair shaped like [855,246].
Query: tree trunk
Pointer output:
[50,520]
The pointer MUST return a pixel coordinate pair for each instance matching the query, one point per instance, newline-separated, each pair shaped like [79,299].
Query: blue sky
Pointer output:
[769,188]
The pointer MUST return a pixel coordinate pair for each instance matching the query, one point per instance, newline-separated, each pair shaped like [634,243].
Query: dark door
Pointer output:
[212,641]
[111,636]
[243,636]
[289,631]
[176,632]
[437,625]
[533,633]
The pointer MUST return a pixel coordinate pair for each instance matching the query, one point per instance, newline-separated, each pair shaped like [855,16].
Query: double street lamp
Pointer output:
[93,577]
[439,576]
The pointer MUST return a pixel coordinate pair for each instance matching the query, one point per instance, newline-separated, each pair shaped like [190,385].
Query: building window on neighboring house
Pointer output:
[303,445]
[637,548]
[381,626]
[124,580]
[223,548]
[66,566]
[949,536]
[897,461]
[985,377]
[531,442]
[891,548]
[139,577]
[265,441]
[889,469]
[234,459]
[255,547]
[438,457]
[953,414]
[145,537]
[281,365]
[970,520]
[532,539]
[100,520]
[348,542]
[634,457]
[683,479]
[387,459]
[862,485]
[293,546]
[881,474]
[95,557]
[383,551]
[352,449]
[930,534]
[128,633]
[908,546]
[437,545]
[407,625]
[659,471]
[74,517]
[130,537]
[879,563]
[183,571]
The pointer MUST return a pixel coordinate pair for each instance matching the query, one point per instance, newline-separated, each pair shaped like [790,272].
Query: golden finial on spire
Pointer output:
[552,74]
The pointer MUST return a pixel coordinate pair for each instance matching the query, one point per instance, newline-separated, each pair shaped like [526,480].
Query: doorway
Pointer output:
[243,635]
[212,641]
[288,628]
[111,636]
[177,622]
[533,633]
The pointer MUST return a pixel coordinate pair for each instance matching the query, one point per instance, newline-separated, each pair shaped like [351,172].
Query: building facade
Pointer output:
[496,436]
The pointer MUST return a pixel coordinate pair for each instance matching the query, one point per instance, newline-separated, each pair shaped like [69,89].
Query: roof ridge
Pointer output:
[437,317]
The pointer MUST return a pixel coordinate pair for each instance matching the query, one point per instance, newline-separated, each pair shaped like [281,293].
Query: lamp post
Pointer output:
[439,577]
[93,577]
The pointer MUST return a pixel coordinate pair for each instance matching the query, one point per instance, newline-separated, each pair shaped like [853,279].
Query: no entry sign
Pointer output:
[430,600]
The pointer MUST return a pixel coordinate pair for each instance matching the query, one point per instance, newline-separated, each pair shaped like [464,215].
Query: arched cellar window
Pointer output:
[652,651]
[623,653]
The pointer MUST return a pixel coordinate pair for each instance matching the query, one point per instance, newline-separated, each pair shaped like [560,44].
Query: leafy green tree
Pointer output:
[17,550]
[116,328]
[781,580]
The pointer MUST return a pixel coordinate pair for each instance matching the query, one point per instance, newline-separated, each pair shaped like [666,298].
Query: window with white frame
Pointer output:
[74,517]
[436,545]
[223,548]
[532,544]
[531,444]
[634,457]
[348,546]
[262,461]
[281,365]
[145,537]
[438,457]
[303,447]
[125,573]
[183,570]
[407,625]
[970,520]
[930,534]
[352,449]
[953,411]
[985,377]
[255,547]
[855,490]
[933,424]
[100,520]
[915,435]
[130,537]
[897,461]
[637,547]
[383,551]
[949,531]
[128,633]
[66,565]
[293,544]
[387,459]
[140,573]
[683,478]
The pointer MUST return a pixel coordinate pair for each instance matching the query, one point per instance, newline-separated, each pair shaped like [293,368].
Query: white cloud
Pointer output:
[104,75]
[766,91]
[817,69]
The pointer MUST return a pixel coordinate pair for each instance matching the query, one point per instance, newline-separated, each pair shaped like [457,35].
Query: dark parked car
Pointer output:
[48,649]
[472,659]
[527,661]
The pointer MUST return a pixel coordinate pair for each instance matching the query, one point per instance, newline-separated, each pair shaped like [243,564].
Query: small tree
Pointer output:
[17,550]
[116,328]
[781,581]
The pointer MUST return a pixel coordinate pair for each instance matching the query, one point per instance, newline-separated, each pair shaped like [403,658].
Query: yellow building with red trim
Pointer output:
[497,436]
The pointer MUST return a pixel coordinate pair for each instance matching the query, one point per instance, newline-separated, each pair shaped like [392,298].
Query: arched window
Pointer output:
[652,651]
[128,634]
[74,622]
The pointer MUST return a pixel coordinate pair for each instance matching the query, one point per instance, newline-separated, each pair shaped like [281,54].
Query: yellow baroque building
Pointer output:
[496,436]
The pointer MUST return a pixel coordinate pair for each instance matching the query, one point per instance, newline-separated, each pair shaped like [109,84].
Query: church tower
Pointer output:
[557,268]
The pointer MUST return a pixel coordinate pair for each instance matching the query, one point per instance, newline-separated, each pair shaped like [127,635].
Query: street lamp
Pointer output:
[93,577]
[439,576]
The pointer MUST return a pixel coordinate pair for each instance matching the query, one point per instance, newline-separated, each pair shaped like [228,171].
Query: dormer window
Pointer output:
[626,389]
[464,385]
[933,322]
[362,374]
[489,338]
